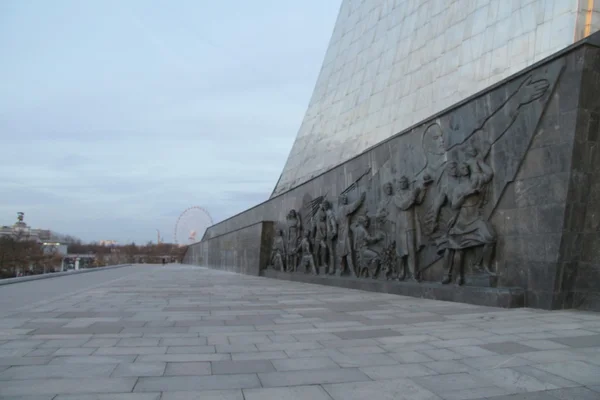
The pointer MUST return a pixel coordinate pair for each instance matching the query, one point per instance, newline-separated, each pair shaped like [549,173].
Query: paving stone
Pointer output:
[113,396]
[362,350]
[92,359]
[442,354]
[138,342]
[579,341]
[512,379]
[376,333]
[241,367]
[193,341]
[263,355]
[396,371]
[393,389]
[508,348]
[575,393]
[309,363]
[58,343]
[24,360]
[116,351]
[491,362]
[67,386]
[291,393]
[345,361]
[407,357]
[182,357]
[315,377]
[188,368]
[236,348]
[289,346]
[205,395]
[73,351]
[34,397]
[138,369]
[577,371]
[41,352]
[51,371]
[197,383]
[191,349]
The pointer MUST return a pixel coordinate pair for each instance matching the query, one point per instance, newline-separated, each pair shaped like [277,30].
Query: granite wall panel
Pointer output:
[508,175]
[243,251]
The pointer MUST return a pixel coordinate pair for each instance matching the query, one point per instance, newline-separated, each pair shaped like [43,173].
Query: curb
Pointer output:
[21,279]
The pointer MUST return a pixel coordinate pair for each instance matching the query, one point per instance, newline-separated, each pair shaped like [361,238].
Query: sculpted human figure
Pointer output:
[386,221]
[278,252]
[343,248]
[321,237]
[306,256]
[467,228]
[483,136]
[368,260]
[408,232]
[331,235]
[293,238]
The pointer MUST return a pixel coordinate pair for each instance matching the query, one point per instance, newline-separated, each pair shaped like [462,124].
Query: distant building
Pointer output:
[20,230]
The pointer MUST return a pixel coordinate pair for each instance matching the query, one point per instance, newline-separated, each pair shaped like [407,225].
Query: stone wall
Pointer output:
[507,175]
[391,64]
[243,250]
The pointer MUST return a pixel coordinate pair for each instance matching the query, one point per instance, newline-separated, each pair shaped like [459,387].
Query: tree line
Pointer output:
[21,256]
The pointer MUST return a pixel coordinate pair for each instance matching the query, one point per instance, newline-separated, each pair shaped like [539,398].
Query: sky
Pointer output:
[116,116]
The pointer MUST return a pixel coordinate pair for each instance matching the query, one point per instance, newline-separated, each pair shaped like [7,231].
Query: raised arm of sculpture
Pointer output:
[503,117]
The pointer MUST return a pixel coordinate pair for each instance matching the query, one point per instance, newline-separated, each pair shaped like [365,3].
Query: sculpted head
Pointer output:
[452,168]
[292,214]
[326,205]
[343,199]
[464,169]
[403,182]
[388,189]
[471,151]
[363,220]
[433,140]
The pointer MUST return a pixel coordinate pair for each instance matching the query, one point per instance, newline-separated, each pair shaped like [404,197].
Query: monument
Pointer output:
[430,171]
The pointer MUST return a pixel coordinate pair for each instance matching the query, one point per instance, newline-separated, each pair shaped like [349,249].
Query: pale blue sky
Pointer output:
[117,115]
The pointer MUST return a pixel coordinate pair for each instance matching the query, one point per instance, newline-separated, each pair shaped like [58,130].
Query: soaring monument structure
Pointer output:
[392,63]
[450,150]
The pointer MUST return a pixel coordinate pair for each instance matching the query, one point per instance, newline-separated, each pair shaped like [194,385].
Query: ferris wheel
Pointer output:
[191,225]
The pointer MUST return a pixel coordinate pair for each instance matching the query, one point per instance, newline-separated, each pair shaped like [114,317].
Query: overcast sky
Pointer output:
[115,116]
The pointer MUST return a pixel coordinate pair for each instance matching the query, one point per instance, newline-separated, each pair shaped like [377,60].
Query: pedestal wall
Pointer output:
[497,193]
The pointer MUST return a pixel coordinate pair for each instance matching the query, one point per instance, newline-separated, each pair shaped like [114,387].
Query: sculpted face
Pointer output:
[387,189]
[343,200]
[433,140]
[403,183]
[453,169]
[464,170]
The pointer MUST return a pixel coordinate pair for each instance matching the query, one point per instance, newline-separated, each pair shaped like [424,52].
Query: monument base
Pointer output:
[483,296]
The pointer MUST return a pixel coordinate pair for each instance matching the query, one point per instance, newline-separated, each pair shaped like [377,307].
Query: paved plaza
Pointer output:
[181,332]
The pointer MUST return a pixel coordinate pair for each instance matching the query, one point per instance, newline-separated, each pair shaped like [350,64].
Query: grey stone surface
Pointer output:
[188,368]
[538,202]
[440,349]
[241,367]
[291,393]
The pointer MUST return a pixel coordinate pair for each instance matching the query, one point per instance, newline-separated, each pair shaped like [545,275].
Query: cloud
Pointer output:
[117,116]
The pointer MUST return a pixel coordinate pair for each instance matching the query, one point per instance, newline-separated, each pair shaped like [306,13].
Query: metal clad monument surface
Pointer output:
[491,202]
[392,63]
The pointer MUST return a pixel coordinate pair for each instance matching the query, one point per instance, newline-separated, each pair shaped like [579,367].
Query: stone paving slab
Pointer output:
[182,332]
